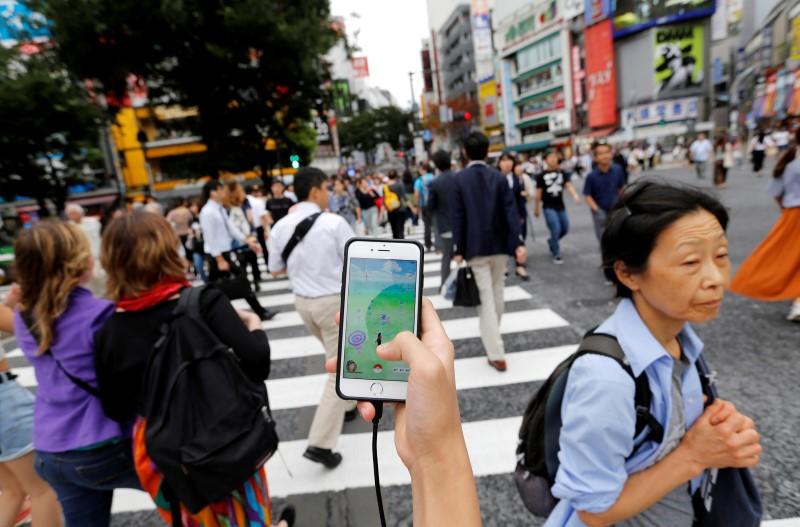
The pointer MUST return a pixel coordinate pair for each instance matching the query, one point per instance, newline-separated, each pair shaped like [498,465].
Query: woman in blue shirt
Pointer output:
[665,249]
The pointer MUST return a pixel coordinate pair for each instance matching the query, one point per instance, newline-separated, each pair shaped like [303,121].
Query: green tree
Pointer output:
[49,130]
[252,68]
[367,130]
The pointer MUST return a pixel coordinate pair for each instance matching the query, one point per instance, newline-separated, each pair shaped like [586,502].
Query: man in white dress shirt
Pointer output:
[218,236]
[315,273]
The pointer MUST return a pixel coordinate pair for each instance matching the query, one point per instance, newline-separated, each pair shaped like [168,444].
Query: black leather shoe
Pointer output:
[267,314]
[323,455]
[287,515]
[350,415]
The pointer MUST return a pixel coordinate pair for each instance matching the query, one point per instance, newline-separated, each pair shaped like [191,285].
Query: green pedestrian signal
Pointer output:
[295,160]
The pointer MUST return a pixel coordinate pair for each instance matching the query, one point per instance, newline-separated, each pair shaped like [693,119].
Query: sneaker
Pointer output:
[558,260]
[794,313]
[267,314]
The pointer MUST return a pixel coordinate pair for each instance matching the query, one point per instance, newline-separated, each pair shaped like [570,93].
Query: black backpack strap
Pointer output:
[299,233]
[607,345]
[80,383]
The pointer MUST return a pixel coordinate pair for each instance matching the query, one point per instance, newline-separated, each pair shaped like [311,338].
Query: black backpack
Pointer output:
[537,450]
[208,426]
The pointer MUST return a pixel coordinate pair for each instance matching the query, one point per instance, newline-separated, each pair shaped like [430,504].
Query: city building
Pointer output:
[533,44]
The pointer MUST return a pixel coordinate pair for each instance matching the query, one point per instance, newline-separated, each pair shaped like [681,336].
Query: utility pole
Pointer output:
[413,100]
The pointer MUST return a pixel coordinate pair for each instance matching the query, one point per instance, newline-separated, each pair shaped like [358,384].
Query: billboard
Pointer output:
[601,81]
[482,40]
[487,95]
[19,23]
[678,62]
[360,67]
[596,10]
[631,16]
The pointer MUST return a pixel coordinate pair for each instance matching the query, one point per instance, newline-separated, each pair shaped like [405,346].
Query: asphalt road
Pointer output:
[752,347]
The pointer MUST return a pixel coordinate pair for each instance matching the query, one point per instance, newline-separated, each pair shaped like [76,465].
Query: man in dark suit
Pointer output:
[439,195]
[486,231]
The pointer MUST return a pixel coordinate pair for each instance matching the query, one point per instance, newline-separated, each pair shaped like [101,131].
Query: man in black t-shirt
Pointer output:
[550,186]
[278,205]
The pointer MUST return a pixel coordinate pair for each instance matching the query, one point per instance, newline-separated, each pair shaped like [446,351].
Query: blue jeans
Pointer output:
[199,265]
[84,481]
[558,224]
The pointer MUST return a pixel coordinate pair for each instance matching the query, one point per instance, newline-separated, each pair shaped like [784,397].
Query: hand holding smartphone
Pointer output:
[381,297]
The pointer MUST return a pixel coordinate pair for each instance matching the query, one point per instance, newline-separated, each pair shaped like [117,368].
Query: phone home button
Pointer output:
[376,388]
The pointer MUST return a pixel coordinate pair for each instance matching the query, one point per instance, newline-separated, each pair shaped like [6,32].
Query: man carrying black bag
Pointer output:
[218,236]
[486,231]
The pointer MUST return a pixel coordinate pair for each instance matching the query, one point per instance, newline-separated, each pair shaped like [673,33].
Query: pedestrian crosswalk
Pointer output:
[537,339]
[298,379]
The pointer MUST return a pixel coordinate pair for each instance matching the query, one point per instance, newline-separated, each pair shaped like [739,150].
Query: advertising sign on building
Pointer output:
[487,95]
[631,16]
[19,23]
[559,121]
[529,21]
[601,82]
[719,22]
[678,61]
[360,67]
[577,76]
[660,112]
[795,42]
[794,102]
[482,39]
[596,10]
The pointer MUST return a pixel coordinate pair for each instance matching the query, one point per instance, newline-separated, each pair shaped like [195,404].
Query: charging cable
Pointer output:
[375,420]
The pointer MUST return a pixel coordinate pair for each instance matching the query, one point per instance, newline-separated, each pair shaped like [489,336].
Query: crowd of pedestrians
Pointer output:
[90,311]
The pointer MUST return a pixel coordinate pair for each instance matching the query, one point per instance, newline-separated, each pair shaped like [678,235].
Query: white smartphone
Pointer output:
[381,297]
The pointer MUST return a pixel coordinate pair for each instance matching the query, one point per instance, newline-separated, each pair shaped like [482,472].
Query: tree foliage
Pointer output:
[251,67]
[369,129]
[49,129]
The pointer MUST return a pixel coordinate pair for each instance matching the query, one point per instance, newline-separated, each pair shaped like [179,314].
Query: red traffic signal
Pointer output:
[467,116]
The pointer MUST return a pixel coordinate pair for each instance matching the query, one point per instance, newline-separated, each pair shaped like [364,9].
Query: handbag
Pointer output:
[467,294]
[235,284]
[728,496]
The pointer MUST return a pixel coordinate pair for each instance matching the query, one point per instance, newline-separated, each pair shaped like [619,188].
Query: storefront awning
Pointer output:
[526,147]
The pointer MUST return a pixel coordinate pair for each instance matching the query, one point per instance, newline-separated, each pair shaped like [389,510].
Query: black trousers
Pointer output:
[397,220]
[247,258]
[215,274]
[262,241]
[427,218]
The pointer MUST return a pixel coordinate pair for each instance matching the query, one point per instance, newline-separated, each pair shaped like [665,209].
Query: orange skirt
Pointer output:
[772,271]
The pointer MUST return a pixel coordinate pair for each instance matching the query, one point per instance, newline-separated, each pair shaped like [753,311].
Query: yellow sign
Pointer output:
[796,38]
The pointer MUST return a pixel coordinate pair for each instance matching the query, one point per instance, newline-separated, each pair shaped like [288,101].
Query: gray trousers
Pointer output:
[599,217]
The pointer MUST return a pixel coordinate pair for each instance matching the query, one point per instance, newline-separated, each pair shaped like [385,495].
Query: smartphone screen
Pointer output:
[381,302]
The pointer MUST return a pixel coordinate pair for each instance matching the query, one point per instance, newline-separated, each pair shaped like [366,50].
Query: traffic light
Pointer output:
[467,116]
[295,159]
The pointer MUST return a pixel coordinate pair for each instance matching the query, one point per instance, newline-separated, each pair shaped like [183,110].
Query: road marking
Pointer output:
[462,328]
[491,445]
[457,329]
[292,318]
[471,373]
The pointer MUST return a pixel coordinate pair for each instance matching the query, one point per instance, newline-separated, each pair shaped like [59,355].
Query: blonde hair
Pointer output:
[138,251]
[50,260]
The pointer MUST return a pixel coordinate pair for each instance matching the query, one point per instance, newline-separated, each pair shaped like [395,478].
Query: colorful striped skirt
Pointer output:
[247,506]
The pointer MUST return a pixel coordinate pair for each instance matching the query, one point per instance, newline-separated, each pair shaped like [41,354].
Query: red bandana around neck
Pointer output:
[160,292]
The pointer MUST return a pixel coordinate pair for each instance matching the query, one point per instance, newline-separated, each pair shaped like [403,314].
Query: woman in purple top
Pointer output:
[79,451]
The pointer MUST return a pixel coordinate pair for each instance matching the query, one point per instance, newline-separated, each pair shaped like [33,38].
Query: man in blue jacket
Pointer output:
[486,231]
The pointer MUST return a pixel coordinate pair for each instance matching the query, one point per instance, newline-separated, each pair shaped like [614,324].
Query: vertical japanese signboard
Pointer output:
[601,81]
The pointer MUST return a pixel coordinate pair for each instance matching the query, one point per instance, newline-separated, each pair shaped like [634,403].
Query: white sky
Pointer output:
[390,36]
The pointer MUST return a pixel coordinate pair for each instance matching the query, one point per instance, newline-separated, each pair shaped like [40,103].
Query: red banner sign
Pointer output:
[360,67]
[601,78]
